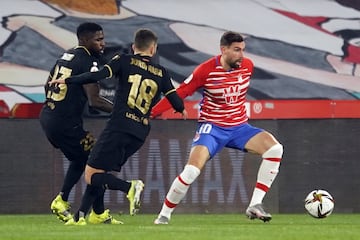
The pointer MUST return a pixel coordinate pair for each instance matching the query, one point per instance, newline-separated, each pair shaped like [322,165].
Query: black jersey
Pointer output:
[68,101]
[140,83]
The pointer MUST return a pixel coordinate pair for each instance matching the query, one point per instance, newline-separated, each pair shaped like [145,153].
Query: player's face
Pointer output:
[96,42]
[233,54]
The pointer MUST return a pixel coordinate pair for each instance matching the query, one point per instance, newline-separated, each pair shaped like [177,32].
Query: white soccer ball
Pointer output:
[319,203]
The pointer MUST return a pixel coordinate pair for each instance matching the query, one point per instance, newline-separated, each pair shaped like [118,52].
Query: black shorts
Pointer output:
[112,150]
[73,141]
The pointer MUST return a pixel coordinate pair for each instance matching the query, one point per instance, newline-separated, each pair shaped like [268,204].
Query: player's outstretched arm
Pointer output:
[164,104]
[84,78]
[176,102]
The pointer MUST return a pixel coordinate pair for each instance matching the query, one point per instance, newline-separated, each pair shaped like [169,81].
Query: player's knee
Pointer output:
[190,173]
[88,176]
[275,151]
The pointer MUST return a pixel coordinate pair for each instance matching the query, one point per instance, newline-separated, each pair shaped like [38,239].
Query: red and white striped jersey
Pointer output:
[224,92]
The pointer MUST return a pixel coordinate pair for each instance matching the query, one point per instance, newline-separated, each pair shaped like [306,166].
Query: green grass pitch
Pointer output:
[186,227]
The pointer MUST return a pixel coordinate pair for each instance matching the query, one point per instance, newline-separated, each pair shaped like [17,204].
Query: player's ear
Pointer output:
[133,47]
[153,49]
[81,41]
[222,49]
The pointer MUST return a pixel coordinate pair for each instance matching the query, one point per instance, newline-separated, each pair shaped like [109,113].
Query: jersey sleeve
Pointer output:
[171,97]
[115,63]
[187,88]
[90,77]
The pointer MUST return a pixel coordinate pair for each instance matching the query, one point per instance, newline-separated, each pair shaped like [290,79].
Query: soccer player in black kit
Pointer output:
[61,115]
[140,83]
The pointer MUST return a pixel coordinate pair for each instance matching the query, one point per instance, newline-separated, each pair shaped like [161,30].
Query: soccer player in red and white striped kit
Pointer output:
[223,123]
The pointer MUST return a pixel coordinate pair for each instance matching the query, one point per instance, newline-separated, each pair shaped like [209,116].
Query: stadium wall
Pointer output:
[318,154]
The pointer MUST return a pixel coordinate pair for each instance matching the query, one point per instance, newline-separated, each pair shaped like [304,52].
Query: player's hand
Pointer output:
[184,114]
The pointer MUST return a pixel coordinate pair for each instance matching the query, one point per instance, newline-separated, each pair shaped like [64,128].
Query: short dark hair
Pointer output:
[229,37]
[143,38]
[87,27]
